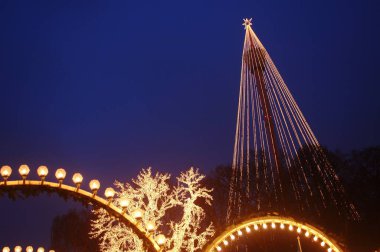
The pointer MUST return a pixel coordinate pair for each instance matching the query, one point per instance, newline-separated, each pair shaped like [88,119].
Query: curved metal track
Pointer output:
[232,233]
[149,242]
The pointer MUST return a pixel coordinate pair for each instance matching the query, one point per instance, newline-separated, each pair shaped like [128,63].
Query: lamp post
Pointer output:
[24,171]
[77,179]
[94,186]
[6,249]
[124,202]
[42,172]
[137,214]
[60,175]
[6,172]
[160,239]
[150,226]
[109,193]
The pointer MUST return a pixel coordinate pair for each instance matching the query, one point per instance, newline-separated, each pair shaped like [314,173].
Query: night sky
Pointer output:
[109,87]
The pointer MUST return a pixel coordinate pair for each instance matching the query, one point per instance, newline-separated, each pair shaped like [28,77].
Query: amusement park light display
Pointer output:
[144,217]
[229,237]
[142,204]
[148,220]
[94,186]
[277,158]
[27,249]
[147,200]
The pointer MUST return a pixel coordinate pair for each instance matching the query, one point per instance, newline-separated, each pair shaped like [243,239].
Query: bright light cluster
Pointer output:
[147,200]
[119,206]
[267,224]
[60,175]
[27,249]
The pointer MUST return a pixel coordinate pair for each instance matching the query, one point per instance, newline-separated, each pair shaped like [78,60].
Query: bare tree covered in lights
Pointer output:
[113,235]
[150,194]
[148,198]
[187,234]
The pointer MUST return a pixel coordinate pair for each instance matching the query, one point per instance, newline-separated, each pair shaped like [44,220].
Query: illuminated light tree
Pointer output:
[187,234]
[149,194]
[278,164]
[152,196]
[113,235]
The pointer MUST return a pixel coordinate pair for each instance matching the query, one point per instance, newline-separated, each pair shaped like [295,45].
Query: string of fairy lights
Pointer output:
[120,207]
[27,249]
[277,160]
[271,223]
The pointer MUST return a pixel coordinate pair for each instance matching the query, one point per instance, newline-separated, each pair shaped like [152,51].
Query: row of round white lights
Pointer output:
[27,249]
[109,193]
[273,225]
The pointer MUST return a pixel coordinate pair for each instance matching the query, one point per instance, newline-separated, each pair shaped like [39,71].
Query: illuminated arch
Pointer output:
[270,222]
[92,197]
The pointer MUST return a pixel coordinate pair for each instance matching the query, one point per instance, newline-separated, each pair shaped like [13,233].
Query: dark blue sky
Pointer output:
[109,87]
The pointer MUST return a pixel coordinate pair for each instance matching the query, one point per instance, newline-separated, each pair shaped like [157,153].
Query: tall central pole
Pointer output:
[255,58]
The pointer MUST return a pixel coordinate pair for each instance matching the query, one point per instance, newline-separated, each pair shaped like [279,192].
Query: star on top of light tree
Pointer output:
[247,22]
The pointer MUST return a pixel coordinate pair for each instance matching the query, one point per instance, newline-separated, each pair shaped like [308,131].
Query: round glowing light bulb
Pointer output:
[42,172]
[219,248]
[109,193]
[6,249]
[18,249]
[315,238]
[299,230]
[24,171]
[256,227]
[329,249]
[265,226]
[137,214]
[123,202]
[273,225]
[29,249]
[150,226]
[307,234]
[323,243]
[247,229]
[282,226]
[60,174]
[94,185]
[40,249]
[290,228]
[160,239]
[77,178]
[225,242]
[240,233]
[232,237]
[6,171]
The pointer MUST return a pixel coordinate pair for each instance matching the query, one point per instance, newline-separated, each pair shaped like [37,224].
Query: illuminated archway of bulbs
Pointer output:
[153,242]
[268,223]
[27,249]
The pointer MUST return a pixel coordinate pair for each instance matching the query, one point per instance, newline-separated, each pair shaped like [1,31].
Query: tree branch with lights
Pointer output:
[148,199]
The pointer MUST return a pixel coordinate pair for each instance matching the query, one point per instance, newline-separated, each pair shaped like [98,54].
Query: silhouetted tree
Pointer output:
[362,181]
[69,232]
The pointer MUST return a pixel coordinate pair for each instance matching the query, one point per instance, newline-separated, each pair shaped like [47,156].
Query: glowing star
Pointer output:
[247,22]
